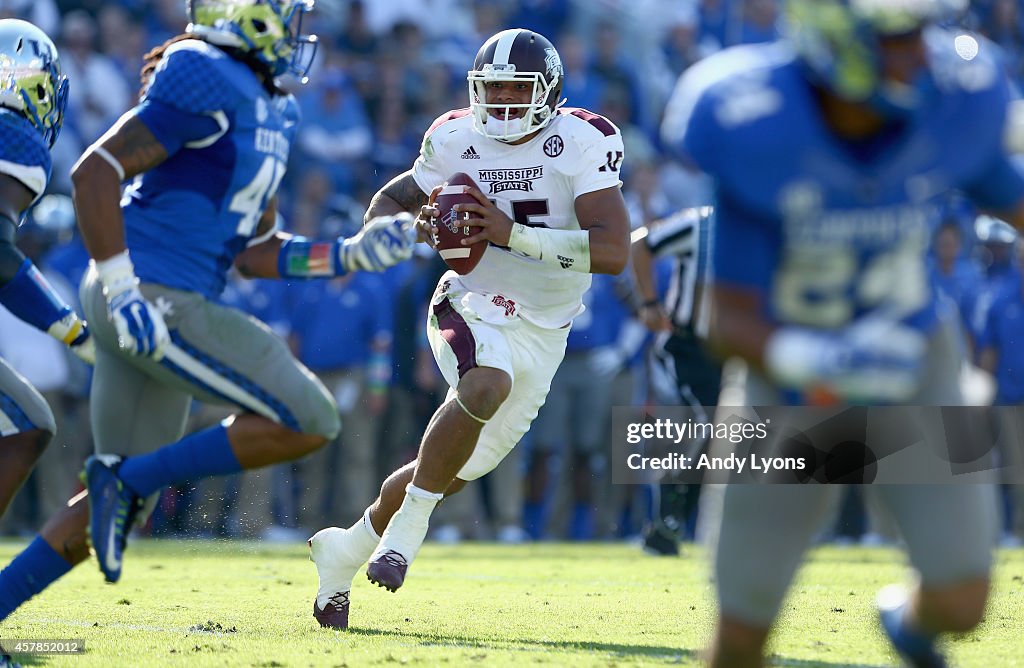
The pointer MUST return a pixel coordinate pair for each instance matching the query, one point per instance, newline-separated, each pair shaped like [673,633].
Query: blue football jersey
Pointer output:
[187,219]
[828,231]
[24,155]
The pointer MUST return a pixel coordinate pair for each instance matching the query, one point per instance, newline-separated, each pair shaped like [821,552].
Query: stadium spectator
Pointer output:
[335,136]
[996,242]
[100,93]
[1002,355]
[958,276]
[41,13]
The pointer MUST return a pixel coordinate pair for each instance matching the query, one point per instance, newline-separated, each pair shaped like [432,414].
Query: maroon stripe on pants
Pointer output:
[457,334]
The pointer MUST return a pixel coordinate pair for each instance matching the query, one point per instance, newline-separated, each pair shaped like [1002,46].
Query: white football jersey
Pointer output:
[535,183]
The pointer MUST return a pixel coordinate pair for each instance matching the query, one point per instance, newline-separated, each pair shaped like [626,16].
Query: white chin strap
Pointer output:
[511,128]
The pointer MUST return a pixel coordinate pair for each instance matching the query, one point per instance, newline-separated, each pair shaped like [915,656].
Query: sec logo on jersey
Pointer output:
[553,146]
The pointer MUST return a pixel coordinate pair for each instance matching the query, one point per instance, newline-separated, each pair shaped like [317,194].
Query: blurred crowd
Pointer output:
[384,71]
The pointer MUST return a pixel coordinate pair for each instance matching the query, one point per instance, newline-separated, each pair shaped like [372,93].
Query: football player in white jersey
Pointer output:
[552,211]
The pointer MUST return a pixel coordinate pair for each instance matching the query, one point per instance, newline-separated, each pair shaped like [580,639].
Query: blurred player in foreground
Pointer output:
[33,94]
[828,149]
[499,332]
[207,147]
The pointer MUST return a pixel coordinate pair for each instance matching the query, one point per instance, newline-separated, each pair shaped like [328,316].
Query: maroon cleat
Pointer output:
[334,615]
[388,570]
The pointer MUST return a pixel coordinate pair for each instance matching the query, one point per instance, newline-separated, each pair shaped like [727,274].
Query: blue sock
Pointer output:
[32,571]
[203,454]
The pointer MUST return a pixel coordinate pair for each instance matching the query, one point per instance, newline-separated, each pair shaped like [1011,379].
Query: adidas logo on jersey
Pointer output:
[470,154]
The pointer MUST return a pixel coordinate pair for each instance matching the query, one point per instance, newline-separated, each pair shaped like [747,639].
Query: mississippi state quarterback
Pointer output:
[550,208]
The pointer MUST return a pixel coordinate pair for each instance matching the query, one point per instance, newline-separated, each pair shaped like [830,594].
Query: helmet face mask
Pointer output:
[31,81]
[269,30]
[513,57]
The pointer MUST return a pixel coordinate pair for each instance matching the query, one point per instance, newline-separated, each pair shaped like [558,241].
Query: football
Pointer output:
[453,227]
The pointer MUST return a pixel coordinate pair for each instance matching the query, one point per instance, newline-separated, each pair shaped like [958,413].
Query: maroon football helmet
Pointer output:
[516,55]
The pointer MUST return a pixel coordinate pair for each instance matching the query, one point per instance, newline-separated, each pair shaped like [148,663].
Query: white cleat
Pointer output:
[335,552]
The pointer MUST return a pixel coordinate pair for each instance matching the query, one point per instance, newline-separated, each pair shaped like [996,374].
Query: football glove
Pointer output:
[382,243]
[140,326]
[873,360]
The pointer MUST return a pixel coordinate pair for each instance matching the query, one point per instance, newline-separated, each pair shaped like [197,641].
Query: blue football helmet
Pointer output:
[838,40]
[269,30]
[31,82]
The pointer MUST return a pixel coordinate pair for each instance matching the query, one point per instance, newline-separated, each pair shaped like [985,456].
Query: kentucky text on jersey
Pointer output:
[273,142]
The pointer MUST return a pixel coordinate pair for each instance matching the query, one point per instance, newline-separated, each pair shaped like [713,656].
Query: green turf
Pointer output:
[217,604]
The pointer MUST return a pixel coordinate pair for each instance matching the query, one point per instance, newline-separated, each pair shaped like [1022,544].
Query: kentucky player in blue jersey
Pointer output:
[33,93]
[828,149]
[206,147]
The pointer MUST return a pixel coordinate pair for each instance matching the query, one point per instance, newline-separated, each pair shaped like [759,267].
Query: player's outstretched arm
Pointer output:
[23,290]
[383,242]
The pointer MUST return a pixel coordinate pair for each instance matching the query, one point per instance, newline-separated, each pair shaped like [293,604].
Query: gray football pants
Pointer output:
[22,408]
[217,355]
[949,530]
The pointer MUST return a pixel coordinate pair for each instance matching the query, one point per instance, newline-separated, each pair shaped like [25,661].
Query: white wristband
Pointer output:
[116,273]
[568,249]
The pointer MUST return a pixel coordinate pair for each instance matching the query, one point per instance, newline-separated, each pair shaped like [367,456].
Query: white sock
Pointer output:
[339,554]
[408,528]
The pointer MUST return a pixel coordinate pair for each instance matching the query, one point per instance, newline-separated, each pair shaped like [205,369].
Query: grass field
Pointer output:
[216,604]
